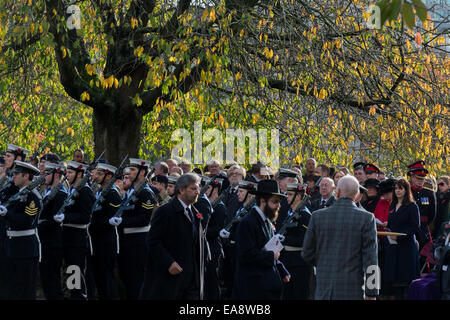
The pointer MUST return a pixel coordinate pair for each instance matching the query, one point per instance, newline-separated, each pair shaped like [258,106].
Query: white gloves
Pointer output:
[59,217]
[224,234]
[115,221]
[3,210]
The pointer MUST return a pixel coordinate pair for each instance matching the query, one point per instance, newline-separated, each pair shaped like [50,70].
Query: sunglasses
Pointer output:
[441,184]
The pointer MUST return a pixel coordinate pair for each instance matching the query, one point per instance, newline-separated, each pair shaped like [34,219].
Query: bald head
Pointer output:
[348,187]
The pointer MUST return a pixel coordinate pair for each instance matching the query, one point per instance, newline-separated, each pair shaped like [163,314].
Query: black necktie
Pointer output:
[194,228]
[323,203]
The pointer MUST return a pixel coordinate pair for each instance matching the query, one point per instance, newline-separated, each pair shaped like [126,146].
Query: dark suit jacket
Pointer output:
[315,203]
[341,241]
[170,239]
[232,204]
[257,276]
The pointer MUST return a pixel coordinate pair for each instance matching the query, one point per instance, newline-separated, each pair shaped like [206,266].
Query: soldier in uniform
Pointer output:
[359,173]
[371,171]
[22,242]
[104,235]
[7,189]
[425,199]
[228,238]
[285,176]
[75,219]
[171,186]
[50,232]
[161,182]
[298,287]
[133,229]
[213,225]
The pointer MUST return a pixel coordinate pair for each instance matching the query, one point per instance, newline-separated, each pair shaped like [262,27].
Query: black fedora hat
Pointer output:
[386,186]
[268,187]
[371,183]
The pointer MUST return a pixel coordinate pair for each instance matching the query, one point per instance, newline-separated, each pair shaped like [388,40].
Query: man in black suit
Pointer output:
[326,189]
[259,274]
[235,174]
[176,244]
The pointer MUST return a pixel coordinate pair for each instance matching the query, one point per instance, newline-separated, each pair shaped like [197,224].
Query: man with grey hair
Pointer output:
[326,199]
[176,246]
[341,242]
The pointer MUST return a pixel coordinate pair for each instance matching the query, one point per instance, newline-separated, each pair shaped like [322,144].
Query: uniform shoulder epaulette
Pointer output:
[426,188]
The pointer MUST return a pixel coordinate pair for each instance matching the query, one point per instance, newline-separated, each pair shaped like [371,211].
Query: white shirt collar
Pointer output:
[184,204]
[261,214]
[257,180]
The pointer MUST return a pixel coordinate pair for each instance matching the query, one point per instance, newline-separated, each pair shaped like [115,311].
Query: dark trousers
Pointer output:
[103,262]
[227,269]
[22,278]
[50,272]
[76,256]
[298,286]
[212,283]
[4,272]
[132,263]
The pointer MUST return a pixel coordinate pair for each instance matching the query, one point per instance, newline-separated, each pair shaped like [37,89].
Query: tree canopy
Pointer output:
[336,89]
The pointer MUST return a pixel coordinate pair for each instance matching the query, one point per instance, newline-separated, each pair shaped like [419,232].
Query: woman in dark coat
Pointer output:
[401,260]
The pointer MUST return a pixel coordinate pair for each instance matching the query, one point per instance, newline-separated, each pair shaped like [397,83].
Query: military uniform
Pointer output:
[133,235]
[105,239]
[6,191]
[426,200]
[75,237]
[22,241]
[298,287]
[50,234]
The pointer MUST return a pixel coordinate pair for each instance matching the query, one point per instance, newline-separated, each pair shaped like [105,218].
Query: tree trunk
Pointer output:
[119,135]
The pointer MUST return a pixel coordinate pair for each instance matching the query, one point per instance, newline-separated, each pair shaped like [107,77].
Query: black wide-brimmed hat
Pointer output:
[386,186]
[371,183]
[268,187]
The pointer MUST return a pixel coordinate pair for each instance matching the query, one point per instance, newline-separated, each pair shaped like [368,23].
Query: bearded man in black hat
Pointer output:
[259,273]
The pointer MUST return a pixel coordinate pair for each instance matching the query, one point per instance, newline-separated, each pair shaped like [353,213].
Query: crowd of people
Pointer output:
[175,231]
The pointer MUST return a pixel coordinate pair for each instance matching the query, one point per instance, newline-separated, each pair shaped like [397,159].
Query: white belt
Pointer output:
[136,230]
[78,226]
[20,233]
[81,226]
[289,248]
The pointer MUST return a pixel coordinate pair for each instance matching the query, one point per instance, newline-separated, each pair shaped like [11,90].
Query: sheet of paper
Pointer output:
[391,241]
[274,244]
